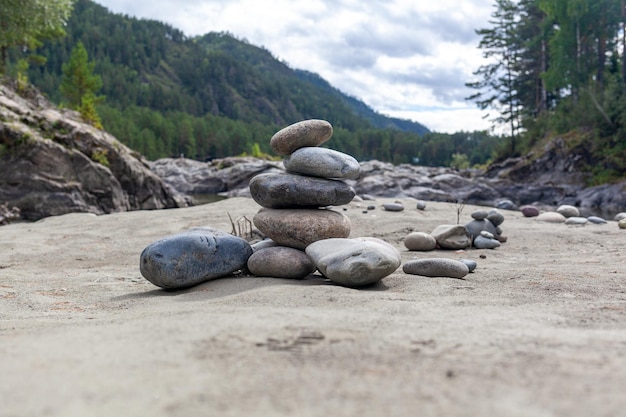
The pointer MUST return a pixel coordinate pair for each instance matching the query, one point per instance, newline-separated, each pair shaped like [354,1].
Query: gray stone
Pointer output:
[495,217]
[297,191]
[596,220]
[482,242]
[576,221]
[568,211]
[298,228]
[480,214]
[471,265]
[265,243]
[420,241]
[476,227]
[551,217]
[280,262]
[354,262]
[622,224]
[393,206]
[191,257]
[620,216]
[529,211]
[451,236]
[322,162]
[506,205]
[436,267]
[420,205]
[486,234]
[312,132]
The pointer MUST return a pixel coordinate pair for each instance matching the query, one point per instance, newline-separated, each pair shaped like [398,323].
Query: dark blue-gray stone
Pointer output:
[506,205]
[475,227]
[495,217]
[282,191]
[471,265]
[480,214]
[596,220]
[482,242]
[322,162]
[192,257]
[393,206]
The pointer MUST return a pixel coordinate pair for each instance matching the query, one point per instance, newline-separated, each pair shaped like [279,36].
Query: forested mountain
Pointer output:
[216,95]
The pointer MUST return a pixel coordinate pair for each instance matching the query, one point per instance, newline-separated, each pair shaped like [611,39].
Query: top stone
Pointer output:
[312,132]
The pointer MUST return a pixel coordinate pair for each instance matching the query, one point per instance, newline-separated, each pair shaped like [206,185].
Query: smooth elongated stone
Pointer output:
[280,262]
[297,191]
[436,267]
[312,132]
[298,228]
[322,162]
[192,257]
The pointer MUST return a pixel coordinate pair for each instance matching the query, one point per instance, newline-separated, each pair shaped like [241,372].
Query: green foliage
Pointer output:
[459,161]
[100,156]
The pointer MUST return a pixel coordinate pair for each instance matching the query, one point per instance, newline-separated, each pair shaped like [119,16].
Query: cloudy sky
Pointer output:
[404,58]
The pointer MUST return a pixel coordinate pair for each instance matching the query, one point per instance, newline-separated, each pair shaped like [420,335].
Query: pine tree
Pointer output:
[79,85]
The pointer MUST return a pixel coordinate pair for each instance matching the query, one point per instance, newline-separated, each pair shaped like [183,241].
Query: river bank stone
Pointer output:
[484,242]
[576,221]
[322,162]
[189,258]
[420,241]
[280,262]
[596,220]
[551,217]
[312,132]
[297,191]
[530,211]
[436,267]
[354,262]
[622,224]
[451,236]
[568,211]
[393,206]
[298,228]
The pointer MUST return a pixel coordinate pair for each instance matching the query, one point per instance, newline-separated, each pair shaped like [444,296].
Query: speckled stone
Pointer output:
[298,228]
[530,211]
[189,258]
[354,262]
[280,262]
[312,132]
[436,267]
[551,217]
[420,241]
[322,162]
[297,191]
[568,211]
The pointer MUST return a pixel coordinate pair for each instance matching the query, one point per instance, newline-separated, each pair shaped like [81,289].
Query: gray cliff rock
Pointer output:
[52,163]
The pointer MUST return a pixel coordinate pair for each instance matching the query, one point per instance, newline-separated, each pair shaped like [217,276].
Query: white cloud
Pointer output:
[405,58]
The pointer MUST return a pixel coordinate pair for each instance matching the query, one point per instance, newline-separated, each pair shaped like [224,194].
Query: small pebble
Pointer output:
[622,224]
[596,220]
[471,265]
[568,211]
[577,221]
[436,267]
[420,241]
[420,205]
[393,206]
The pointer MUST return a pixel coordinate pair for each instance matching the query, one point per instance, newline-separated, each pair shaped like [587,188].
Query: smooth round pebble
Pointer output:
[298,228]
[596,220]
[620,216]
[530,211]
[420,205]
[312,132]
[471,265]
[420,241]
[495,217]
[280,262]
[371,207]
[393,206]
[482,242]
[354,262]
[297,191]
[480,214]
[189,258]
[322,162]
[622,224]
[576,221]
[551,217]
[568,211]
[436,267]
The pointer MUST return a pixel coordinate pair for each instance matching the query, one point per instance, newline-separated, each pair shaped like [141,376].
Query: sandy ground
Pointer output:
[539,329]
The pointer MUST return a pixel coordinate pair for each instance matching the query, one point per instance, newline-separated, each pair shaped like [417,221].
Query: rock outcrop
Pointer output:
[52,163]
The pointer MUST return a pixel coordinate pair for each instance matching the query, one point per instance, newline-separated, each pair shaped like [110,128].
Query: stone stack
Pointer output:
[296,213]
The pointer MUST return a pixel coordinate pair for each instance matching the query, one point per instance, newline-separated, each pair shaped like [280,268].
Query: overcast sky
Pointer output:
[404,58]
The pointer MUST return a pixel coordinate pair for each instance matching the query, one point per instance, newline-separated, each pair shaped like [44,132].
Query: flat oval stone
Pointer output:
[436,267]
[596,220]
[393,206]
[297,191]
[298,228]
[280,262]
[471,265]
[495,217]
[322,162]
[354,262]
[620,216]
[452,236]
[577,221]
[420,241]
[482,242]
[568,211]
[551,217]
[529,211]
[480,214]
[192,257]
[312,132]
